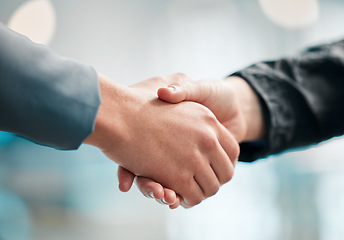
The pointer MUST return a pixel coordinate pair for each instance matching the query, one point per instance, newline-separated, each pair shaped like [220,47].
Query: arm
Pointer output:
[54,101]
[301,98]
[44,97]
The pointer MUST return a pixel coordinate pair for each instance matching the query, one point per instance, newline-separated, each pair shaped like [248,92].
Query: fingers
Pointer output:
[171,95]
[222,167]
[227,156]
[177,203]
[218,171]
[229,144]
[150,188]
[175,92]
[209,182]
[183,89]
[170,196]
[125,179]
[226,152]
[194,194]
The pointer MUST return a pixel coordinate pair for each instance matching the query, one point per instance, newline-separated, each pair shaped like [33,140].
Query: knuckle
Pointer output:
[213,190]
[208,139]
[195,201]
[181,75]
[210,118]
[235,152]
[181,78]
[210,142]
[158,78]
[227,176]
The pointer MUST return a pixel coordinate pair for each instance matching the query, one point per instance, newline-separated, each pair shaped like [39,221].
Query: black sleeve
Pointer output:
[44,97]
[302,98]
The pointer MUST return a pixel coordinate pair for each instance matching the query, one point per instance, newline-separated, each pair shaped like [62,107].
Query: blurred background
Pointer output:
[49,194]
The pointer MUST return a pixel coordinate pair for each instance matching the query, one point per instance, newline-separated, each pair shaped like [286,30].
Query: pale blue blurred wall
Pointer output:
[49,194]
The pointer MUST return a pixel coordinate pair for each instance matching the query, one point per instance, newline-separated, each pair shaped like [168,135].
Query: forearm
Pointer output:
[251,108]
[300,97]
[44,97]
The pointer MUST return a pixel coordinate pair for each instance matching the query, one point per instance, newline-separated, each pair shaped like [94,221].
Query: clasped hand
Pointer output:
[213,95]
[181,145]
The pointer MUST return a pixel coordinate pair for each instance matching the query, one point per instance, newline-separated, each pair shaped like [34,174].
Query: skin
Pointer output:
[181,146]
[233,102]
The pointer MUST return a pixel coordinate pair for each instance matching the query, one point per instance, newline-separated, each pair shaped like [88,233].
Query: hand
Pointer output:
[181,146]
[232,101]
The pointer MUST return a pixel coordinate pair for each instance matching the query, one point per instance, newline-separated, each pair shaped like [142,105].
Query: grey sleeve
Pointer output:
[302,99]
[46,98]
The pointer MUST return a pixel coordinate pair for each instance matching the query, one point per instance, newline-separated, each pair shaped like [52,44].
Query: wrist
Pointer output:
[250,108]
[109,121]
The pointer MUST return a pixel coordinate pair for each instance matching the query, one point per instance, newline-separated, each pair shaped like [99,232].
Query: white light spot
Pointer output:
[291,13]
[35,19]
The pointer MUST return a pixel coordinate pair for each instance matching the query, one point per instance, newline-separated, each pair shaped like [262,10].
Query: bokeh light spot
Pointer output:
[36,20]
[291,14]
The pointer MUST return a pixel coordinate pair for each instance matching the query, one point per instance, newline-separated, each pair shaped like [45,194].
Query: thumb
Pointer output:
[185,91]
[125,179]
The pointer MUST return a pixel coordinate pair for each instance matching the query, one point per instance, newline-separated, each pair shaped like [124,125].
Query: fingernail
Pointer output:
[161,201]
[164,201]
[150,194]
[172,88]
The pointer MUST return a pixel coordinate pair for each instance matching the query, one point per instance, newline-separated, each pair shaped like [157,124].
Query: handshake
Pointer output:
[179,138]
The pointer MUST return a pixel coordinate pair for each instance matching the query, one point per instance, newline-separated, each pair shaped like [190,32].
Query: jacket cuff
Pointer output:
[278,112]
